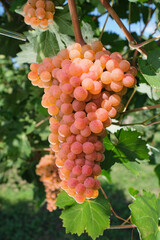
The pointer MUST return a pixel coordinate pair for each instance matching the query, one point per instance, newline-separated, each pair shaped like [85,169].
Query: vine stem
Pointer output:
[142,109]
[42,121]
[128,102]
[105,23]
[75,22]
[41,149]
[123,227]
[115,214]
[129,37]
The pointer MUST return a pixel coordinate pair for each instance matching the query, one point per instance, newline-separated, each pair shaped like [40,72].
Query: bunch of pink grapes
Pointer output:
[48,173]
[38,13]
[83,88]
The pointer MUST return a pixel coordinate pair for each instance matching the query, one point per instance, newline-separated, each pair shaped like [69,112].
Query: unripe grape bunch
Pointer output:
[83,89]
[48,173]
[38,13]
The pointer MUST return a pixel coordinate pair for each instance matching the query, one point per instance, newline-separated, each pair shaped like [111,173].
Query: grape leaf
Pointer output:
[63,20]
[91,216]
[145,88]
[41,45]
[145,214]
[150,69]
[27,55]
[47,45]
[127,148]
[64,200]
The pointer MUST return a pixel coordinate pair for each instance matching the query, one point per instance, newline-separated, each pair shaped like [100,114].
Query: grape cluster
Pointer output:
[48,172]
[38,13]
[83,88]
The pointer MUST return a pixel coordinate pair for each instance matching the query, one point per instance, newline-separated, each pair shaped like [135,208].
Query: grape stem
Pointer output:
[75,22]
[42,121]
[115,214]
[122,227]
[129,37]
[142,108]
[41,149]
[136,46]
[128,102]
[105,23]
[144,123]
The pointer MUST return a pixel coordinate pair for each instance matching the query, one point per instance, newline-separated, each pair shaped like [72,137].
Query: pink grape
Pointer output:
[96,170]
[96,126]
[75,81]
[112,113]
[97,184]
[88,84]
[106,104]
[86,131]
[117,74]
[91,156]
[86,170]
[89,182]
[76,148]
[116,86]
[124,65]
[128,80]
[80,123]
[79,114]
[106,77]
[80,188]
[80,161]
[81,139]
[111,65]
[77,170]
[90,107]
[67,88]
[64,130]
[69,164]
[81,178]
[66,108]
[74,130]
[102,114]
[90,163]
[80,93]
[115,100]
[88,147]
[98,146]
[71,156]
[78,106]
[72,182]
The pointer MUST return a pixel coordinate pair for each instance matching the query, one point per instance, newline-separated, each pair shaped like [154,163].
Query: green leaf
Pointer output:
[63,20]
[87,32]
[128,148]
[63,40]
[145,215]
[27,55]
[91,216]
[64,200]
[47,45]
[133,192]
[145,88]
[41,45]
[150,69]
